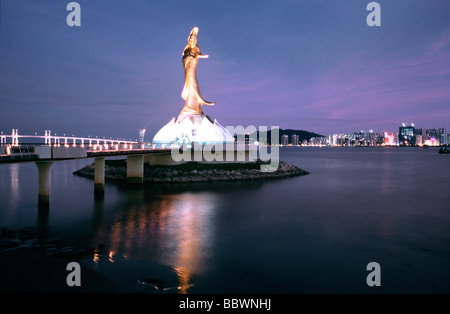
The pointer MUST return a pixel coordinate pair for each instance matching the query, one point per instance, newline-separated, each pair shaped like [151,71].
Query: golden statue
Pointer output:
[191,92]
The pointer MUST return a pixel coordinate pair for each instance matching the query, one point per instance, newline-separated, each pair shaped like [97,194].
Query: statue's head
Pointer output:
[192,40]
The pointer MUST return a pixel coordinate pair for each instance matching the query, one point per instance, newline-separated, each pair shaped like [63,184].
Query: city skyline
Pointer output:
[315,66]
[406,136]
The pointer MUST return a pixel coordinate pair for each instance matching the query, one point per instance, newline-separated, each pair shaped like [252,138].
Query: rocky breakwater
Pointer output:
[195,172]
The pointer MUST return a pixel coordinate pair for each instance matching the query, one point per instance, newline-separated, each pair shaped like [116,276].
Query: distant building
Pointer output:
[390,139]
[284,140]
[406,136]
[338,140]
[294,139]
[141,135]
[364,138]
[318,141]
[436,137]
[443,139]
[422,132]
[419,140]
[432,134]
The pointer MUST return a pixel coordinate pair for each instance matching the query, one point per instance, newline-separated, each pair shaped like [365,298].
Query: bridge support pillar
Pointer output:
[99,175]
[135,168]
[44,183]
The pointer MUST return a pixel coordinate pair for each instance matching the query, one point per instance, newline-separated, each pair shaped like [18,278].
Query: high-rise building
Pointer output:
[443,140]
[318,141]
[432,134]
[406,136]
[419,140]
[294,139]
[141,135]
[423,132]
[284,140]
[390,139]
[433,137]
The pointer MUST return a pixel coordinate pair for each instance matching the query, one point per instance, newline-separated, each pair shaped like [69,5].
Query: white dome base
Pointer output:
[188,128]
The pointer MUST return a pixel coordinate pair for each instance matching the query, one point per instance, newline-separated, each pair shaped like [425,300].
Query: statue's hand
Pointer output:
[203,56]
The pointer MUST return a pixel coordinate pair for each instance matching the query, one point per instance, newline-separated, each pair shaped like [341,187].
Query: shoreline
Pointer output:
[194,172]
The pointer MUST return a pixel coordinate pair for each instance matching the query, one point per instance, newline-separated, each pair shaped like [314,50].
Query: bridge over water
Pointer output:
[46,149]
[60,148]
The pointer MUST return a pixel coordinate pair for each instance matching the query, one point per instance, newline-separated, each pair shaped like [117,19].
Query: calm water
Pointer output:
[308,234]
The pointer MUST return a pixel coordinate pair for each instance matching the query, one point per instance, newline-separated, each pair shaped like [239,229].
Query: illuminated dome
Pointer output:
[188,128]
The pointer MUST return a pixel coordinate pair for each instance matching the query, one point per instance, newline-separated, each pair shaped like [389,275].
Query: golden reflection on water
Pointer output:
[96,256]
[111,256]
[184,276]
[192,231]
[15,196]
[174,229]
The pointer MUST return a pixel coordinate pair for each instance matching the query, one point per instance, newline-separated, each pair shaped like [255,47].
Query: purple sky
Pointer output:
[311,65]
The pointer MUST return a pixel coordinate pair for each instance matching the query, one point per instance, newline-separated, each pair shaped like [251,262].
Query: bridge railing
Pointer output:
[49,139]
[19,152]
[29,152]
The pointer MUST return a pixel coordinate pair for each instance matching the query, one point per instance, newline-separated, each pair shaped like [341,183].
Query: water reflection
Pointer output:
[387,198]
[192,228]
[393,211]
[14,174]
[97,222]
[169,229]
[42,226]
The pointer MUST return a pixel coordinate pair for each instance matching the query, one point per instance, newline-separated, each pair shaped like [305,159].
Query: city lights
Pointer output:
[408,135]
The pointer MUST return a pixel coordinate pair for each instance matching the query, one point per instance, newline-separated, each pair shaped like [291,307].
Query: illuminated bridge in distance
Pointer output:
[50,139]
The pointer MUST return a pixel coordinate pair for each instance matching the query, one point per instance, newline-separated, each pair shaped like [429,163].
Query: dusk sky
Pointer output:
[312,65]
